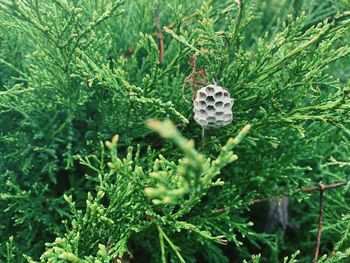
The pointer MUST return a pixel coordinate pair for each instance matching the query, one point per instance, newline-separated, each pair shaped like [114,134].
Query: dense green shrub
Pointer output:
[74,73]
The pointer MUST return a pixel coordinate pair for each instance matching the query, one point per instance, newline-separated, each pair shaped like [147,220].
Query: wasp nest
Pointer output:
[213,107]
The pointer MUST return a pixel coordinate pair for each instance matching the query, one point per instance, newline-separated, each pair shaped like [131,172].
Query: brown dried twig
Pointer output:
[308,190]
[159,33]
[324,187]
[195,79]
[320,224]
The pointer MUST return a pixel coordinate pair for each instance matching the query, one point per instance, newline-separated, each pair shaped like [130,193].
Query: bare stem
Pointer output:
[308,190]
[159,33]
[324,187]
[320,224]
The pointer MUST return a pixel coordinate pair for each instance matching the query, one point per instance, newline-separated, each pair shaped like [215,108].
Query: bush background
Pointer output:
[75,73]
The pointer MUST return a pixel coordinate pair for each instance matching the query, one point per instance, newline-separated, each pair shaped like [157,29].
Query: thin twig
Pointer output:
[195,79]
[308,190]
[159,33]
[323,187]
[320,224]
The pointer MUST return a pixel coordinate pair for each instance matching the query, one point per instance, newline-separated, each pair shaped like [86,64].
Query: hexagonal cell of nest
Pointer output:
[212,106]
[202,114]
[201,95]
[219,105]
[219,95]
[228,117]
[227,106]
[210,100]
[210,89]
[220,115]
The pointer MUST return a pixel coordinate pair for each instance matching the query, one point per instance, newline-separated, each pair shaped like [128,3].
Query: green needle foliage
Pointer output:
[73,73]
[121,209]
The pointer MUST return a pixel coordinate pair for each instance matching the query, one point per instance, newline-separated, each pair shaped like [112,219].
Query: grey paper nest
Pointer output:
[213,107]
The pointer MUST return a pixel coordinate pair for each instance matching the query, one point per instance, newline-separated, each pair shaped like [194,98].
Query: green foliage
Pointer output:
[193,175]
[108,221]
[74,73]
